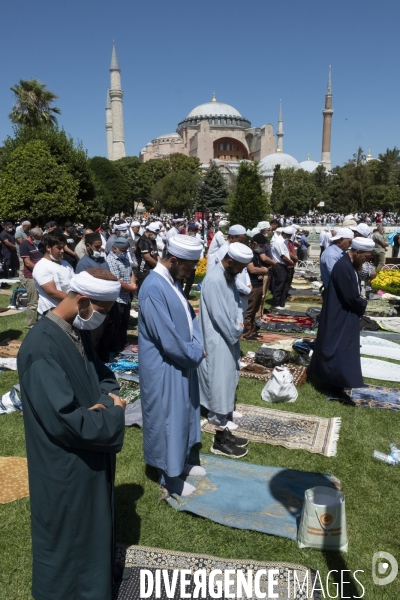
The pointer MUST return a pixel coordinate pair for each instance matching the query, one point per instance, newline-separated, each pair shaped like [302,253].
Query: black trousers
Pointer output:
[290,274]
[279,292]
[189,283]
[123,325]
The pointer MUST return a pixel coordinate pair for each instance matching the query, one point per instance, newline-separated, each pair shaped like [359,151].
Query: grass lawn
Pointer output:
[371,489]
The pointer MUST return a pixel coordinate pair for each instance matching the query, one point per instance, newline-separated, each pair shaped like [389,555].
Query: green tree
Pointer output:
[298,192]
[277,190]
[178,192]
[214,192]
[33,104]
[113,186]
[149,174]
[130,168]
[249,202]
[34,184]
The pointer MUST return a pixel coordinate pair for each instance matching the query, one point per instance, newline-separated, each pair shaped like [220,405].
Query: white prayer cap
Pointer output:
[96,289]
[350,216]
[222,223]
[279,229]
[288,230]
[236,230]
[154,227]
[362,229]
[263,225]
[135,224]
[349,222]
[178,220]
[253,232]
[362,244]
[240,253]
[342,232]
[121,227]
[186,247]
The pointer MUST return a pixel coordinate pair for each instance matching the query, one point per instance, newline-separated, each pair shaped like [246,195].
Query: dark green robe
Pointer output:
[71,461]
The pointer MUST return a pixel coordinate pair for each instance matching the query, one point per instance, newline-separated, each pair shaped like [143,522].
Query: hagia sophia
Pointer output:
[216,131]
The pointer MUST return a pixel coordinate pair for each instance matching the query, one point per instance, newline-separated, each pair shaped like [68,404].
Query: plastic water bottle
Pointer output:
[386,458]
[395,453]
[390,312]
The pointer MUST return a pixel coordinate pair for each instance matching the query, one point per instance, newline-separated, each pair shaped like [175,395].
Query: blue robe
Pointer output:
[169,389]
[220,315]
[336,357]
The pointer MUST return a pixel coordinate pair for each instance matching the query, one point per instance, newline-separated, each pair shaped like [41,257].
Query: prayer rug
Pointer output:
[129,390]
[371,396]
[384,335]
[286,344]
[252,370]
[10,311]
[133,414]
[136,558]
[304,298]
[248,496]
[390,324]
[380,369]
[13,479]
[294,431]
[11,348]
[278,318]
[374,346]
[274,337]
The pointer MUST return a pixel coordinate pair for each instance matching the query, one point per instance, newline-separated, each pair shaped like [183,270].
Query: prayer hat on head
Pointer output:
[342,232]
[121,243]
[362,229]
[154,227]
[178,220]
[263,225]
[236,230]
[251,233]
[362,244]
[186,247]
[222,223]
[288,230]
[349,222]
[121,226]
[135,224]
[96,289]
[240,253]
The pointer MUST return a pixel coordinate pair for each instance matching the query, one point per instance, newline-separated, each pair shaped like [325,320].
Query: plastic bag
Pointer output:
[323,520]
[280,387]
[271,357]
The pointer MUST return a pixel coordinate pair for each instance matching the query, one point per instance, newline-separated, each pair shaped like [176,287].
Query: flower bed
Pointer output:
[388,281]
[201,270]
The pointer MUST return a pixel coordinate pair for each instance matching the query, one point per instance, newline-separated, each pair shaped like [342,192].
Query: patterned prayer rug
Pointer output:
[136,558]
[278,318]
[129,390]
[304,298]
[252,370]
[11,349]
[294,431]
[249,496]
[371,396]
[13,479]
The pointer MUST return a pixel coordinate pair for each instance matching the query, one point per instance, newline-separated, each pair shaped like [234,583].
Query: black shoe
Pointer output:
[226,434]
[228,449]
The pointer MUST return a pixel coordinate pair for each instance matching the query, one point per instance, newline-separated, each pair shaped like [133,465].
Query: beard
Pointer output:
[229,275]
[358,262]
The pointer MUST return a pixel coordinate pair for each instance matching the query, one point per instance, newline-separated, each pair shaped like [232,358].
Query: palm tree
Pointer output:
[33,104]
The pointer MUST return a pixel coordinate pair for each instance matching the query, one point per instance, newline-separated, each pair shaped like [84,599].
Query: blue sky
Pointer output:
[174,54]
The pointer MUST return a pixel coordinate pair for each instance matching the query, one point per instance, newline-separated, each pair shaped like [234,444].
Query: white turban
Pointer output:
[240,253]
[251,233]
[236,230]
[342,232]
[362,229]
[94,288]
[263,225]
[135,224]
[178,220]
[153,227]
[288,230]
[363,244]
[121,227]
[186,247]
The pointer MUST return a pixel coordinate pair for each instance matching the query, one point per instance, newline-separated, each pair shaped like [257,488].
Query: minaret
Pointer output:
[279,133]
[109,132]
[118,143]
[326,131]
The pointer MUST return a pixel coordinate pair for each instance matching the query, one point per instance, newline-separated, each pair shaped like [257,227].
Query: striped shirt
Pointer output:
[121,268]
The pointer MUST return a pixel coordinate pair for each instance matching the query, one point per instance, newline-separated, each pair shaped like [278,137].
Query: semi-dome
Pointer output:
[309,165]
[168,136]
[268,163]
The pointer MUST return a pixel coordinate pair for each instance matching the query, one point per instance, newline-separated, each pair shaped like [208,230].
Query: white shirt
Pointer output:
[49,270]
[279,248]
[217,241]
[172,232]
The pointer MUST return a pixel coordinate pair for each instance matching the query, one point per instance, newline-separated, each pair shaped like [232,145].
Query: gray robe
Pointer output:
[220,313]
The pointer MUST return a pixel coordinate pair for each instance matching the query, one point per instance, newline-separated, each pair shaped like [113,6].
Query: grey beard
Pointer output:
[229,277]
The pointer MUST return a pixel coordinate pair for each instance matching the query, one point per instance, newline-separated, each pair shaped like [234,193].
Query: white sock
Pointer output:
[176,485]
[236,415]
[231,425]
[193,470]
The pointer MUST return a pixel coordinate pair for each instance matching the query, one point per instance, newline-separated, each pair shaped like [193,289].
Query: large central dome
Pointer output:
[214,109]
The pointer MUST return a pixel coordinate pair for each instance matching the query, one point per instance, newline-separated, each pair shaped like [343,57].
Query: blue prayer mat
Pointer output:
[372,396]
[247,496]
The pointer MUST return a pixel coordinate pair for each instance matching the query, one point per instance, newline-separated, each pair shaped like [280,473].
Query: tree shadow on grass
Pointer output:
[128,521]
[10,334]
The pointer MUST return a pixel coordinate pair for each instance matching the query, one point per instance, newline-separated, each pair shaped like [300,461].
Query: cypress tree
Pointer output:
[249,203]
[214,191]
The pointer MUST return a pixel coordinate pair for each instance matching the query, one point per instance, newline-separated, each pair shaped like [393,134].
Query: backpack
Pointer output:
[19,297]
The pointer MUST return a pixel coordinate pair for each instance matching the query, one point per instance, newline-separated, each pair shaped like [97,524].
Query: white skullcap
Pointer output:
[240,253]
[135,224]
[94,288]
[178,220]
[279,229]
[253,232]
[350,216]
[222,223]
[186,247]
[121,227]
[349,222]
[154,227]
[363,244]
[263,225]
[236,230]
[342,232]
[288,230]
[362,229]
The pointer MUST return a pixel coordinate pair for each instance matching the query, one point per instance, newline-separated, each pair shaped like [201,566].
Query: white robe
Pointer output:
[217,241]
[220,315]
